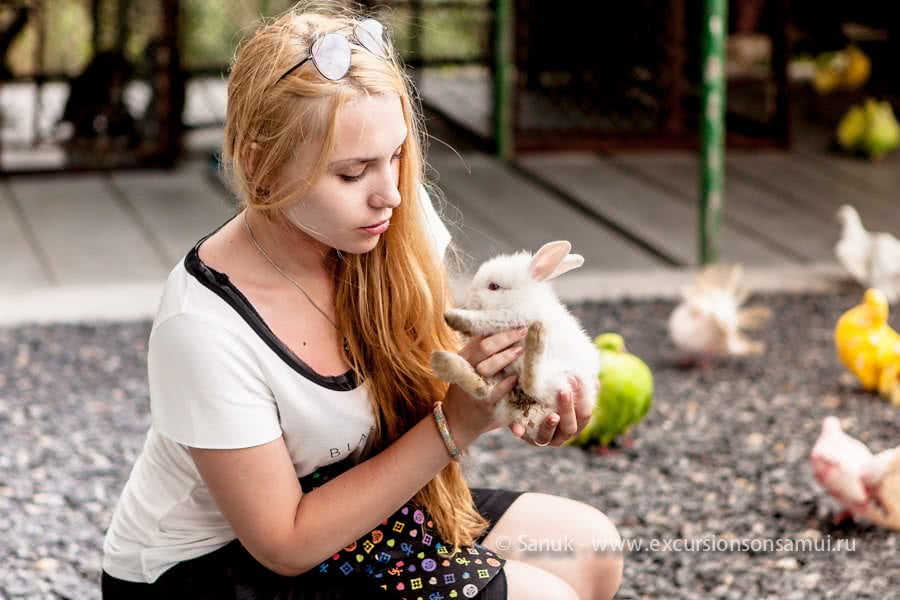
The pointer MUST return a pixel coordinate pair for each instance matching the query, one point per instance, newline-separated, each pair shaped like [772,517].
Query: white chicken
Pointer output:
[867,486]
[837,461]
[873,259]
[709,321]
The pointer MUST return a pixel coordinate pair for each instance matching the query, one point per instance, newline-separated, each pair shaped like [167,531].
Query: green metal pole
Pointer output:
[712,147]
[503,78]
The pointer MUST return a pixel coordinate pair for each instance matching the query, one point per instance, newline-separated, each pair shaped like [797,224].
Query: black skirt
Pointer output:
[401,559]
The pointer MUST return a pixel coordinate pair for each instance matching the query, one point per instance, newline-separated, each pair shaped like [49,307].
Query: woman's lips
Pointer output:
[377,228]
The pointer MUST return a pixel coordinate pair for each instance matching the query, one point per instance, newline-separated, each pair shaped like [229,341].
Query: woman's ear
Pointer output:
[251,157]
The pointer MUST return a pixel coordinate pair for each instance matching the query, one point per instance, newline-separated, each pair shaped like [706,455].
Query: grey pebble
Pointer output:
[723,452]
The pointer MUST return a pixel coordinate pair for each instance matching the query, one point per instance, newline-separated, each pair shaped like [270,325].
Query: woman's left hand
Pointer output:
[573,414]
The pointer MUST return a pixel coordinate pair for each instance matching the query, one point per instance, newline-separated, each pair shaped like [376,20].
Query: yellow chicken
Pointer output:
[868,346]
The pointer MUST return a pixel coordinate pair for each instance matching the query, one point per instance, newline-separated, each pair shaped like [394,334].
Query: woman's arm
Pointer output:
[258,492]
[290,532]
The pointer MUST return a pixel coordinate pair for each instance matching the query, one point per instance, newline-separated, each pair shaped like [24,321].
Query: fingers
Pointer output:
[502,389]
[546,433]
[499,361]
[568,423]
[584,407]
[481,348]
[569,419]
[477,414]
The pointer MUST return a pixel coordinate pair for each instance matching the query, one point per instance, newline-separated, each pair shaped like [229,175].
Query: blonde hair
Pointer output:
[389,302]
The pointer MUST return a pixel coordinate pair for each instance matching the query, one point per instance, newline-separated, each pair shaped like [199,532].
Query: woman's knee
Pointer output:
[527,582]
[605,561]
[554,521]
[603,572]
[561,523]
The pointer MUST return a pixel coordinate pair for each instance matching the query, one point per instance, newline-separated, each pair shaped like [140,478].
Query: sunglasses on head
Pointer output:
[330,52]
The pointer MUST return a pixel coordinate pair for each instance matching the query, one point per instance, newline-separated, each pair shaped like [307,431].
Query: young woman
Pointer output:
[300,445]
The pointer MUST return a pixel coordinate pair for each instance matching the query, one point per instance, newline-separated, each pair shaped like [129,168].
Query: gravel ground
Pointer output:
[722,455]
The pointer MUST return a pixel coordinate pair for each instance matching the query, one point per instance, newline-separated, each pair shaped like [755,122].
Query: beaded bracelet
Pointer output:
[441,422]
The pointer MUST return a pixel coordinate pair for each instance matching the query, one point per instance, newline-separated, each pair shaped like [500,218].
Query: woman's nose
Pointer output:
[387,195]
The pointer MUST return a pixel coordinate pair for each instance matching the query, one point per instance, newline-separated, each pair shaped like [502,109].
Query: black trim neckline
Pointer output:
[220,284]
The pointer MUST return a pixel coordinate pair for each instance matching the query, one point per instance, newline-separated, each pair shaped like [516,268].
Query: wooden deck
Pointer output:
[639,210]
[779,206]
[623,212]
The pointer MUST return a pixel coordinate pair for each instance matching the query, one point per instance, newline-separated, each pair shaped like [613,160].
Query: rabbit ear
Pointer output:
[552,260]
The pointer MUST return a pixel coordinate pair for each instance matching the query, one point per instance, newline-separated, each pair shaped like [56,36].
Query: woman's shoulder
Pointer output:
[197,328]
[197,291]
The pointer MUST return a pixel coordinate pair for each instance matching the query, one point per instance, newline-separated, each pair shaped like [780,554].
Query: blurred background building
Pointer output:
[99,84]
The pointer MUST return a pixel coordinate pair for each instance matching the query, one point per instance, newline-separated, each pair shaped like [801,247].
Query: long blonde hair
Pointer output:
[389,302]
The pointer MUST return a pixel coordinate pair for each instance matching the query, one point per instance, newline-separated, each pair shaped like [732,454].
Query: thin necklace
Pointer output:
[286,276]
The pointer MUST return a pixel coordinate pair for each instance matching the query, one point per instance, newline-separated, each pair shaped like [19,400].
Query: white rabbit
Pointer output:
[511,291]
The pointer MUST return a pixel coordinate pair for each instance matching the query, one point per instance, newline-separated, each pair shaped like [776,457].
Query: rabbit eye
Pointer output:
[493,286]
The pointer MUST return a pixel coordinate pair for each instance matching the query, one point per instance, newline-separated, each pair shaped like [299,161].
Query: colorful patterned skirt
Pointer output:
[402,559]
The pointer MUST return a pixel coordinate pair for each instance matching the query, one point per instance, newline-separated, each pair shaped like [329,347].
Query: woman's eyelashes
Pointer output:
[352,177]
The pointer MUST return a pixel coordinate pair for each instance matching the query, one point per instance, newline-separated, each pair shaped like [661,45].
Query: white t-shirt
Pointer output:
[219,378]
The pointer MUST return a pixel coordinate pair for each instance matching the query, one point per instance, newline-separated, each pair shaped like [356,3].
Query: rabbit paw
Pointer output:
[534,341]
[458,321]
[454,369]
[534,348]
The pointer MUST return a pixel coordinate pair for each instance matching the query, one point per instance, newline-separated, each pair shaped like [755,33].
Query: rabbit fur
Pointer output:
[512,291]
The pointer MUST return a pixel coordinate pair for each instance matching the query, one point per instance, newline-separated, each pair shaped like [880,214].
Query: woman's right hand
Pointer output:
[469,417]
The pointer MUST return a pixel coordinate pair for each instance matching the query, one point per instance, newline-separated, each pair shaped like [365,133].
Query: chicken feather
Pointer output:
[872,259]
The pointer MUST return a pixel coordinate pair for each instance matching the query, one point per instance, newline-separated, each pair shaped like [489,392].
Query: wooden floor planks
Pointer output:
[784,224]
[644,210]
[622,212]
[175,207]
[815,186]
[21,259]
[635,210]
[84,231]
[502,211]
[463,93]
